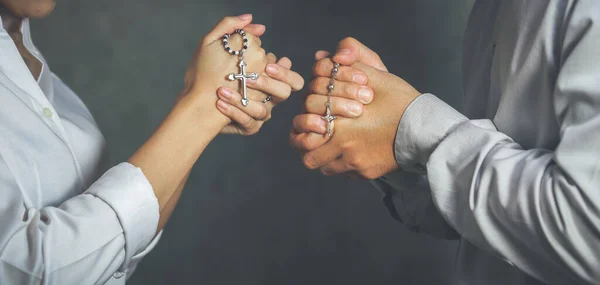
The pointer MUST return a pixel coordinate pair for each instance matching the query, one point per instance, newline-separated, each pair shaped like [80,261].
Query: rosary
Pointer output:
[328,117]
[242,76]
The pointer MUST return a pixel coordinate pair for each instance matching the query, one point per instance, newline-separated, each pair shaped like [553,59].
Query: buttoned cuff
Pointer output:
[425,123]
[127,191]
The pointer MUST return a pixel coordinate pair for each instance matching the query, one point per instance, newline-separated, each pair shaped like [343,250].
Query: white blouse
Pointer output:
[60,222]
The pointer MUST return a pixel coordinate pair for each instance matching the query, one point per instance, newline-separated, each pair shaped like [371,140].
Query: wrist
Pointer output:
[424,124]
[200,106]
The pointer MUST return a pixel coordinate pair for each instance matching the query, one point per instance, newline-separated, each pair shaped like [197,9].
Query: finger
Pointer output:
[271,58]
[307,141]
[255,29]
[321,156]
[283,74]
[236,42]
[279,90]
[225,26]
[337,166]
[352,91]
[351,51]
[324,68]
[320,54]
[245,122]
[285,62]
[317,104]
[256,110]
[309,123]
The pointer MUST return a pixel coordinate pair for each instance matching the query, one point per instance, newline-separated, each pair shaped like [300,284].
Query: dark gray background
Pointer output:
[250,213]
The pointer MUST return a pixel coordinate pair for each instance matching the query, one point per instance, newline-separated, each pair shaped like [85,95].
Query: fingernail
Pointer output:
[344,51]
[271,68]
[365,95]
[222,104]
[245,16]
[354,108]
[359,78]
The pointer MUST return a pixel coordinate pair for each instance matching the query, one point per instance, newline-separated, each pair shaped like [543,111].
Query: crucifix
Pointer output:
[329,118]
[243,77]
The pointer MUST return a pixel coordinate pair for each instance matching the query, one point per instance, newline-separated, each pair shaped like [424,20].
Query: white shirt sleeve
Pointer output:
[538,208]
[85,240]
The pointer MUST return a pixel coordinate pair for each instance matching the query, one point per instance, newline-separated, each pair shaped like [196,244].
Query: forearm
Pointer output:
[168,156]
[525,205]
[166,212]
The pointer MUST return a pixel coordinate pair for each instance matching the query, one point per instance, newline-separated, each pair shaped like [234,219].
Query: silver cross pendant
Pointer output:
[329,119]
[243,77]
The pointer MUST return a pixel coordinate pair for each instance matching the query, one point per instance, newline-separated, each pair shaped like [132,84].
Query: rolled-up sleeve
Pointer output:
[87,239]
[538,208]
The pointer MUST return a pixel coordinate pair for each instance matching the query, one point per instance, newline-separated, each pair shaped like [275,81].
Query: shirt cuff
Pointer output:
[127,191]
[425,123]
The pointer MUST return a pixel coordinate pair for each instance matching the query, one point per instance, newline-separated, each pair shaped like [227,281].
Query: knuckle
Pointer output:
[308,162]
[229,20]
[295,125]
[313,123]
[348,40]
[303,122]
[264,82]
[310,101]
[306,143]
[369,173]
[204,41]
[314,85]
[260,83]
[355,162]
[265,115]
[247,122]
[346,145]
[350,90]
[254,130]
[321,66]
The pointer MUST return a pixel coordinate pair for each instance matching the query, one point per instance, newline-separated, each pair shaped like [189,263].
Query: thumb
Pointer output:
[226,26]
[351,51]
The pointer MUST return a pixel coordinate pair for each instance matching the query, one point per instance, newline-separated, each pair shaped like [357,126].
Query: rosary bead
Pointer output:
[245,42]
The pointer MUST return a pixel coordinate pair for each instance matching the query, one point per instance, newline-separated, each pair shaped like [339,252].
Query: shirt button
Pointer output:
[47,112]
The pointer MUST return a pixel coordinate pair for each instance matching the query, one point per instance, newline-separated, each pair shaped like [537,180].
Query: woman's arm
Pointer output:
[89,237]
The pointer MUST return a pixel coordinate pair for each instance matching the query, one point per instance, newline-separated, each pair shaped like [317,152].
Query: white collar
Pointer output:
[45,79]
[25,31]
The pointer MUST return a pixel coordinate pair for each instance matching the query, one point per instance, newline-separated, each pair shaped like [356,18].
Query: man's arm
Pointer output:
[408,200]
[540,209]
